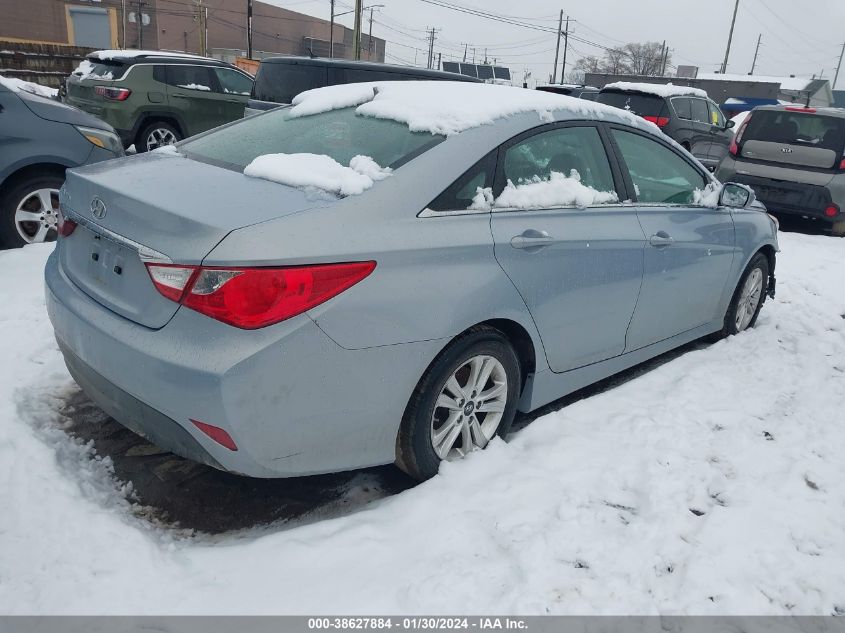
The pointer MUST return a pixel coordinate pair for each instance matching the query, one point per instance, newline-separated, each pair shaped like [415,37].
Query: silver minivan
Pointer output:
[794,159]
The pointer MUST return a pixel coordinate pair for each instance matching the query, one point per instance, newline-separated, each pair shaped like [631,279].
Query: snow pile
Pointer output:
[559,190]
[167,150]
[85,70]
[317,170]
[738,120]
[725,499]
[194,87]
[709,196]
[446,107]
[131,52]
[18,85]
[660,90]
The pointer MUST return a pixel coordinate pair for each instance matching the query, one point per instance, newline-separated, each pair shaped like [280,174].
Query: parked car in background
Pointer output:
[684,114]
[572,90]
[155,98]
[39,139]
[794,159]
[279,79]
[608,246]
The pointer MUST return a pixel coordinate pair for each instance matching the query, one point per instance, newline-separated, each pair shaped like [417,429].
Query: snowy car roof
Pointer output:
[133,53]
[659,90]
[446,107]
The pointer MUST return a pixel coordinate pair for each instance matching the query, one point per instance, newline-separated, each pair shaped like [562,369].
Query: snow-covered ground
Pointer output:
[714,483]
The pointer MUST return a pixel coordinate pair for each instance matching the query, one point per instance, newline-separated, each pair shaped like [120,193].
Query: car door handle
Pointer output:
[532,240]
[661,239]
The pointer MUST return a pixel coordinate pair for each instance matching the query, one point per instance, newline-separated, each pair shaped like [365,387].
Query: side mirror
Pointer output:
[736,195]
[729,124]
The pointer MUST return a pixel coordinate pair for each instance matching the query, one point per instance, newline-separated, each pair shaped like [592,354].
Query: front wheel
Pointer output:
[467,397]
[748,297]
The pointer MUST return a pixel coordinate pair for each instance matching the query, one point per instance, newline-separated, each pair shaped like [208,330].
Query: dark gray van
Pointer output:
[280,79]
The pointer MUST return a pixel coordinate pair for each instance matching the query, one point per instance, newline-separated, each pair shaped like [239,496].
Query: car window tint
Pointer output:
[716,116]
[640,104]
[190,77]
[461,193]
[572,151]
[160,73]
[700,114]
[683,108]
[233,82]
[280,83]
[659,174]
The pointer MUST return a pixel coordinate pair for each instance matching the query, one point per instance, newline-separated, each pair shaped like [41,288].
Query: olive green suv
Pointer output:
[154,98]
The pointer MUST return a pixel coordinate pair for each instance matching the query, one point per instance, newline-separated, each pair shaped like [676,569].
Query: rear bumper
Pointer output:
[294,402]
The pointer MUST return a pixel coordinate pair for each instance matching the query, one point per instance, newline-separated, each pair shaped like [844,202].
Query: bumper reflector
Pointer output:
[217,434]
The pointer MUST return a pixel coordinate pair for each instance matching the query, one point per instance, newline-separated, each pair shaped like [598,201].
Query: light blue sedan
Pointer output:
[395,275]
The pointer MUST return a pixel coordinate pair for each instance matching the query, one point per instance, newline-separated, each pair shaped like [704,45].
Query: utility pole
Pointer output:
[565,47]
[370,37]
[838,66]
[249,29]
[331,32]
[439,58]
[431,33]
[730,37]
[465,52]
[139,21]
[123,18]
[356,35]
[557,47]
[664,61]
[756,51]
[662,54]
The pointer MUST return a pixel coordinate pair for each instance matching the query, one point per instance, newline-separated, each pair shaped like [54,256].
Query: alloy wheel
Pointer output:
[469,408]
[37,216]
[749,298]
[159,137]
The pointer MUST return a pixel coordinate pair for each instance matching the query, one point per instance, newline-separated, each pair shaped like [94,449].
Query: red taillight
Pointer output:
[217,434]
[831,211]
[65,226]
[113,94]
[842,165]
[251,298]
[659,121]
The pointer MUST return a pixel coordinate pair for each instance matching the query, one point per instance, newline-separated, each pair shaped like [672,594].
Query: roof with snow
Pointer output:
[133,53]
[446,107]
[786,83]
[659,90]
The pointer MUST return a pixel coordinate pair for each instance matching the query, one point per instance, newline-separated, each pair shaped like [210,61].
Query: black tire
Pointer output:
[838,229]
[415,452]
[729,328]
[164,126]
[12,195]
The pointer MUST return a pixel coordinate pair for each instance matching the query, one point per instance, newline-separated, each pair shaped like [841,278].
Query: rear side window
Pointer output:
[683,108]
[660,175]
[640,104]
[191,77]
[797,128]
[700,113]
[233,82]
[716,116]
[461,193]
[280,83]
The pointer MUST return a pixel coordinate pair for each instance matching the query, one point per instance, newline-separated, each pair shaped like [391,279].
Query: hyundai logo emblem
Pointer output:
[98,208]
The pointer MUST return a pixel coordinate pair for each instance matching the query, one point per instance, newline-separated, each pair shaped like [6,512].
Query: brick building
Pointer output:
[176,25]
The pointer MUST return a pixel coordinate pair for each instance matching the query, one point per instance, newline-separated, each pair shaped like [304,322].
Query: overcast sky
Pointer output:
[800,38]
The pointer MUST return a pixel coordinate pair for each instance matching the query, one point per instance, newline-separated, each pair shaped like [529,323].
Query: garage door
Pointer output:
[91,27]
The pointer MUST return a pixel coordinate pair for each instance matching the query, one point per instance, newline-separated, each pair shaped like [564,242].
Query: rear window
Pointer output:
[280,83]
[106,69]
[339,134]
[797,128]
[640,104]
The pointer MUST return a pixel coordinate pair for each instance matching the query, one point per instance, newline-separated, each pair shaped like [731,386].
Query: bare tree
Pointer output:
[631,59]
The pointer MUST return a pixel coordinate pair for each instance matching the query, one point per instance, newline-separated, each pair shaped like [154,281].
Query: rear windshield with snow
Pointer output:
[797,128]
[106,69]
[340,134]
[639,104]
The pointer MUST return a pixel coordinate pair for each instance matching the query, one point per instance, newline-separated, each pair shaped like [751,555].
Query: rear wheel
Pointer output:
[467,397]
[838,229]
[748,297]
[29,211]
[157,134]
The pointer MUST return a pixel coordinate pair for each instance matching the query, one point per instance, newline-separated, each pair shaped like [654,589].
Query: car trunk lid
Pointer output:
[157,207]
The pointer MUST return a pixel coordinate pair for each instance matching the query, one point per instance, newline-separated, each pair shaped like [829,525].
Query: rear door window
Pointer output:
[280,83]
[683,108]
[716,116]
[660,175]
[197,78]
[700,112]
